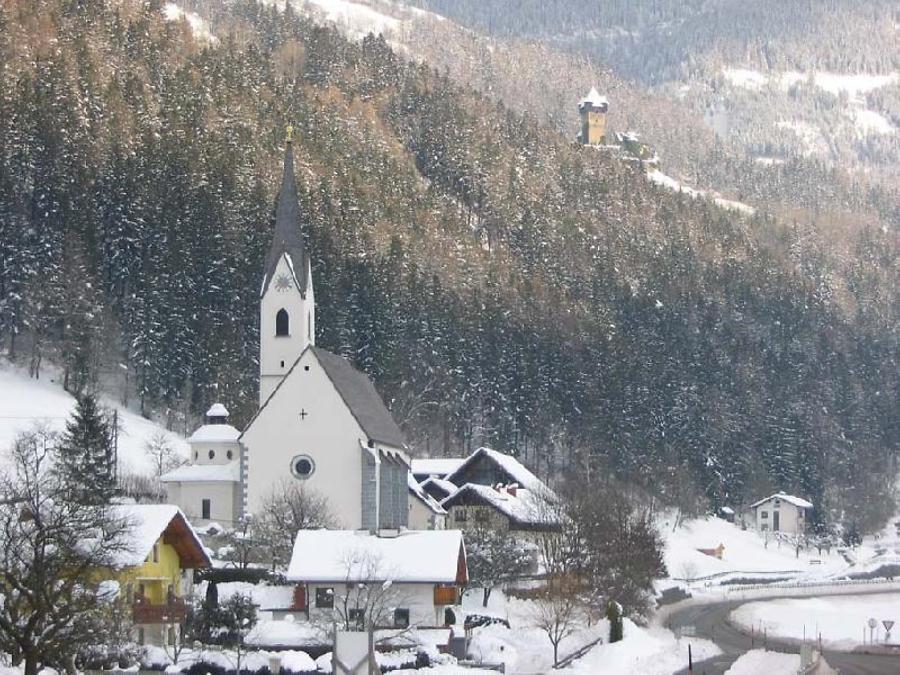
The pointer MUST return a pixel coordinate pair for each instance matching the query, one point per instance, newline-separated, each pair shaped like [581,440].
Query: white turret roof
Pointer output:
[594,98]
[217,410]
[215,433]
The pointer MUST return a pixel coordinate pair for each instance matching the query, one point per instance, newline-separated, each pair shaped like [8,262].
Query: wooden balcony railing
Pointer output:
[446,595]
[174,611]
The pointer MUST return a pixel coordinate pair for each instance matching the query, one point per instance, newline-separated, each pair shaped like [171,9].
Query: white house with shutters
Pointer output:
[320,421]
[411,578]
[781,513]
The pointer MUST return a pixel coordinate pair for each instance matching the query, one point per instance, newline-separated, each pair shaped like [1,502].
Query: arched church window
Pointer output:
[282,323]
[212,454]
[229,454]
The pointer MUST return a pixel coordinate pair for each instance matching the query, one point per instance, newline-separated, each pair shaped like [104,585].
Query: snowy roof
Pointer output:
[594,98]
[215,433]
[217,410]
[420,556]
[149,522]
[423,496]
[525,507]
[204,473]
[436,466]
[442,484]
[509,465]
[790,499]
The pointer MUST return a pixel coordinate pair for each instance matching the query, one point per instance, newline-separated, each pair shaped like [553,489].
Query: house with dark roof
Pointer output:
[321,423]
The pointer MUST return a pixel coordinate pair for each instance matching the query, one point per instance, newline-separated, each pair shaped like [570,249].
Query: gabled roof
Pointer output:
[436,466]
[438,485]
[361,398]
[357,392]
[417,491]
[508,465]
[287,239]
[413,556]
[204,473]
[525,508]
[147,523]
[790,499]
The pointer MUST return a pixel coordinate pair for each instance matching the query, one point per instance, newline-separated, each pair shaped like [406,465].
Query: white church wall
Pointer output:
[278,353]
[223,498]
[328,433]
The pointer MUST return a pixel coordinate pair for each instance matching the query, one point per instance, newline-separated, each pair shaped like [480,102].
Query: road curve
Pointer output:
[710,621]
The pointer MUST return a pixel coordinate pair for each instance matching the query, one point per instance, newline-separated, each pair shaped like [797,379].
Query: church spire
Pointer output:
[288,235]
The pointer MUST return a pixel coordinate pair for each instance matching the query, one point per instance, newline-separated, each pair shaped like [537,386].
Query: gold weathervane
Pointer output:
[289,132]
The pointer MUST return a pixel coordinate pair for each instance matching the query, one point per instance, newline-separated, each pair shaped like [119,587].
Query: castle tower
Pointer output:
[287,311]
[592,109]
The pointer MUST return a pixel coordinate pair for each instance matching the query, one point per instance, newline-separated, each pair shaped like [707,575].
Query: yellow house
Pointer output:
[155,571]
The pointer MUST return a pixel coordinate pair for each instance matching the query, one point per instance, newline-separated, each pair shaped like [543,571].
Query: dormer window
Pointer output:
[282,323]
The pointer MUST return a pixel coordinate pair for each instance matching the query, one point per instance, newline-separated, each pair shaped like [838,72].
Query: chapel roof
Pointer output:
[358,393]
[287,238]
[362,399]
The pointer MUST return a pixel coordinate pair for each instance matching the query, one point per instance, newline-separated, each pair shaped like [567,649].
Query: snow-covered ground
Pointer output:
[667,181]
[643,651]
[25,402]
[771,663]
[840,620]
[746,553]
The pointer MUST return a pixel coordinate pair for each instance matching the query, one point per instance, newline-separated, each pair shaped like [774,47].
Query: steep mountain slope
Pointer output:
[781,83]
[501,285]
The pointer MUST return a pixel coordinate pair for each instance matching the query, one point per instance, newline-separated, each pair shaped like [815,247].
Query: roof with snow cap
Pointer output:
[429,501]
[526,508]
[150,522]
[790,499]
[420,556]
[217,410]
[204,473]
[595,99]
[489,467]
[214,433]
[439,487]
[436,466]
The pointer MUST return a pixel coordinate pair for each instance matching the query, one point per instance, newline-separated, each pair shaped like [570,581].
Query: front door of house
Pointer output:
[775,521]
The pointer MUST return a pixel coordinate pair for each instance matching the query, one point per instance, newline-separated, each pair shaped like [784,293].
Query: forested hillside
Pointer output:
[501,285]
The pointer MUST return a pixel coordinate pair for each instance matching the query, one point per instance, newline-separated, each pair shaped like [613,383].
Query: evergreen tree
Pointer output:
[86,454]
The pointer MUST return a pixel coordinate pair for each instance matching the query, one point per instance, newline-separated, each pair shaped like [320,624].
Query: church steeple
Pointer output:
[287,320]
[288,235]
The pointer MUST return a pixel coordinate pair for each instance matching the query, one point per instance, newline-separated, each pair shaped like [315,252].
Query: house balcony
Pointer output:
[173,611]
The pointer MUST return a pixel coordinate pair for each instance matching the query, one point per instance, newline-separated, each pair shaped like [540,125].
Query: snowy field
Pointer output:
[25,402]
[771,663]
[840,620]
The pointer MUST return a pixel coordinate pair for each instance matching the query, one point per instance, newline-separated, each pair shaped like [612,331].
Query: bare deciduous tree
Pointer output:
[50,550]
[290,507]
[557,612]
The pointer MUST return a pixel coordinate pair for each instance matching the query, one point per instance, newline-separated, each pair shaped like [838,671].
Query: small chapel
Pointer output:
[320,421]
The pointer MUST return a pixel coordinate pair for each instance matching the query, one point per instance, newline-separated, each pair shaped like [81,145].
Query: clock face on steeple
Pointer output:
[282,283]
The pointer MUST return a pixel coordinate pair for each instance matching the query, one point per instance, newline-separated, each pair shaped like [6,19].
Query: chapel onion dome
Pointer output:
[217,414]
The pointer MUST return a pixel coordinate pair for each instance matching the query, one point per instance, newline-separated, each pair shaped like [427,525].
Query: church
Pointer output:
[320,421]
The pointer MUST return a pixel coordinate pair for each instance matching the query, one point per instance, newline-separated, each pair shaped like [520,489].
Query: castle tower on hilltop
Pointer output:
[287,308]
[592,110]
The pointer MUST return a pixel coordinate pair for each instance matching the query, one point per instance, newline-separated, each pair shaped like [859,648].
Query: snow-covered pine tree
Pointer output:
[86,454]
